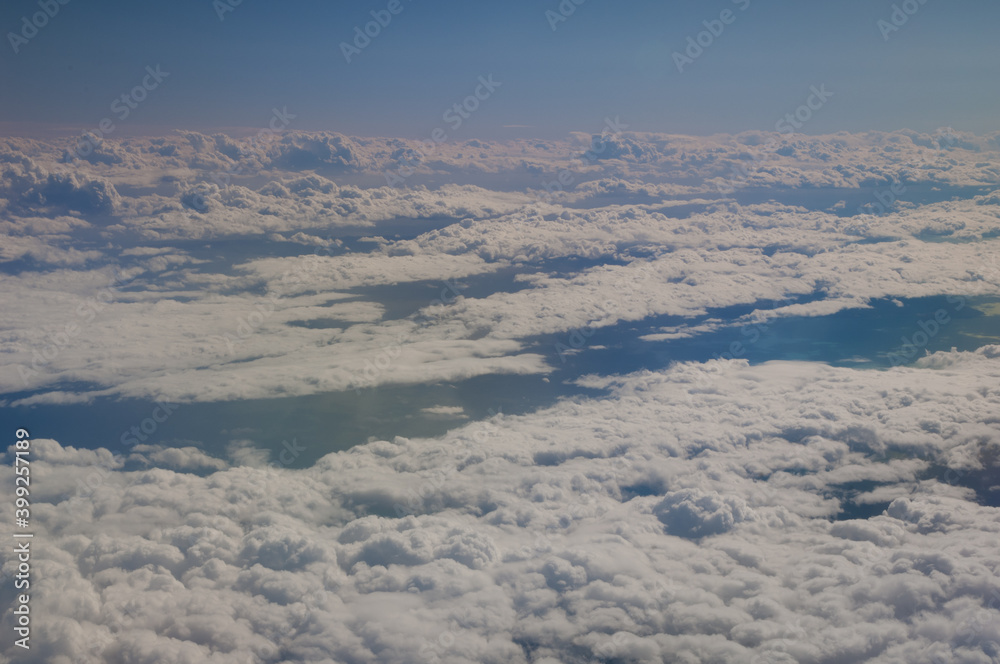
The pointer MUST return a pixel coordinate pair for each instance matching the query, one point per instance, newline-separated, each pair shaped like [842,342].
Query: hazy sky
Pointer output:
[606,59]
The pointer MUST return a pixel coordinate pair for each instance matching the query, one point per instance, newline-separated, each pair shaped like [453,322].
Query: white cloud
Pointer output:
[588,529]
[698,513]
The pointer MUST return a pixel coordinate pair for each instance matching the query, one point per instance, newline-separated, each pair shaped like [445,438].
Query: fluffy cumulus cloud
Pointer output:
[295,322]
[708,512]
[696,514]
[752,159]
[26,186]
[278,303]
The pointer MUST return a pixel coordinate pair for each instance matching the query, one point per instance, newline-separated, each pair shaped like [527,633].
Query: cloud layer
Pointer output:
[694,515]
[712,512]
[260,282]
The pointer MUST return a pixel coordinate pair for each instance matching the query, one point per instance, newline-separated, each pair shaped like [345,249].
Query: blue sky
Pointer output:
[605,59]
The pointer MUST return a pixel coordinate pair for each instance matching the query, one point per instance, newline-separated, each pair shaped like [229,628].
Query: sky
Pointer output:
[304,366]
[560,68]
